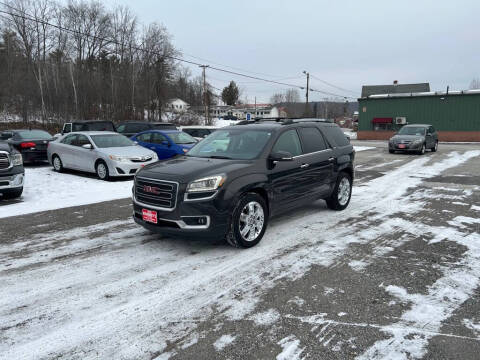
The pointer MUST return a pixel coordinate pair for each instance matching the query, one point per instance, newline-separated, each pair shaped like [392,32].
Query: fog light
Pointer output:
[17,180]
[195,220]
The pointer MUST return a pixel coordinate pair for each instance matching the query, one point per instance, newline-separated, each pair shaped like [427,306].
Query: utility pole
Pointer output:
[255,106]
[205,95]
[307,110]
[326,107]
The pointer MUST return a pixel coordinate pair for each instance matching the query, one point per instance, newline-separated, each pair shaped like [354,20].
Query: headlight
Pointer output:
[118,158]
[17,160]
[418,142]
[206,184]
[154,156]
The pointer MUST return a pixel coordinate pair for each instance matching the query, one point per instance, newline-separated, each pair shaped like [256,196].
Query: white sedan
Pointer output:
[105,153]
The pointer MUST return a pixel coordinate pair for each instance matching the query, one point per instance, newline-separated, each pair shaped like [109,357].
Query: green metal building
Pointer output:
[455,115]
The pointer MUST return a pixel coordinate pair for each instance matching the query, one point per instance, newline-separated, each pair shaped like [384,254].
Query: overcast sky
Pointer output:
[349,43]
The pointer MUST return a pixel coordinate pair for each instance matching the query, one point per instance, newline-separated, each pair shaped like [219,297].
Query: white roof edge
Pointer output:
[430,93]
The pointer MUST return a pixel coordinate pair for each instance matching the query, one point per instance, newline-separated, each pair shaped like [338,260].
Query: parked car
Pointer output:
[414,138]
[230,184]
[5,135]
[107,154]
[88,125]
[134,127]
[12,173]
[166,143]
[198,132]
[32,144]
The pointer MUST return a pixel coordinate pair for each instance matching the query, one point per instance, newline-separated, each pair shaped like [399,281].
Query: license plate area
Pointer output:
[401,146]
[150,216]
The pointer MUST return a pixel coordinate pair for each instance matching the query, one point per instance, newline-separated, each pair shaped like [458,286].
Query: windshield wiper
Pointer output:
[218,157]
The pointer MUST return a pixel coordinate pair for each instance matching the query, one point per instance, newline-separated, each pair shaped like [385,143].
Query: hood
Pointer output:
[184,169]
[407,137]
[126,151]
[4,146]
[187,146]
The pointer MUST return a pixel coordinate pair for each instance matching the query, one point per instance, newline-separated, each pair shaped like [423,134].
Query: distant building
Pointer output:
[241,111]
[176,105]
[454,114]
[395,88]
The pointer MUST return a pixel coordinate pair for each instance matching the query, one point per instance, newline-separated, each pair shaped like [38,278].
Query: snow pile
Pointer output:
[266,318]
[46,189]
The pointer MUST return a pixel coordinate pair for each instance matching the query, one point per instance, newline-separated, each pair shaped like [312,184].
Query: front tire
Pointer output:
[342,192]
[12,193]
[422,150]
[57,163]
[249,221]
[102,171]
[435,147]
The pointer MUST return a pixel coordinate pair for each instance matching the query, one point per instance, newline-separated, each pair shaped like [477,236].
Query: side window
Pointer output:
[431,129]
[136,128]
[144,137]
[81,140]
[69,140]
[121,128]
[312,140]
[335,135]
[158,138]
[67,128]
[288,142]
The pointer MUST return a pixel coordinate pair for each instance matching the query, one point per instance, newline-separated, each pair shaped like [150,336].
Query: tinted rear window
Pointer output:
[34,134]
[312,140]
[94,126]
[336,136]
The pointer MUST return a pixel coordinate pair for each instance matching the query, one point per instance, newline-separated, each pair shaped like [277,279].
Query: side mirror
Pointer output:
[281,156]
[87,146]
[135,142]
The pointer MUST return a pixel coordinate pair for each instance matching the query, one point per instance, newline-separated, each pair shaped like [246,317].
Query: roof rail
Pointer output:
[283,121]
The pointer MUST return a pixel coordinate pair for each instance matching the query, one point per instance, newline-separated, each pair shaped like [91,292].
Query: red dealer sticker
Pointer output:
[401,146]
[149,215]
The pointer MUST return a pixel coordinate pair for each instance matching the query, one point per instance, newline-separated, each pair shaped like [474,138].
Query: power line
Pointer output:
[24,16]
[332,85]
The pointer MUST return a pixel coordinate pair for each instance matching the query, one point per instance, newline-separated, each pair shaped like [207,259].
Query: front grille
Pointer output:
[157,193]
[406,142]
[145,159]
[4,161]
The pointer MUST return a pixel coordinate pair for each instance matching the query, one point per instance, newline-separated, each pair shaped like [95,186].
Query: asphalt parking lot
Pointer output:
[395,275]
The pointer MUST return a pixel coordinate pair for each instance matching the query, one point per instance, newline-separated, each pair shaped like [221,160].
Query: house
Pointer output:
[176,105]
[395,88]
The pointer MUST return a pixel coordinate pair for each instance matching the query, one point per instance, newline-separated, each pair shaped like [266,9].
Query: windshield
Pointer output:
[94,126]
[111,140]
[412,130]
[232,144]
[181,138]
[34,134]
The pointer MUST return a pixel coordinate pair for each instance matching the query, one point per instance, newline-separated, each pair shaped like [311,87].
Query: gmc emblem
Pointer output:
[151,189]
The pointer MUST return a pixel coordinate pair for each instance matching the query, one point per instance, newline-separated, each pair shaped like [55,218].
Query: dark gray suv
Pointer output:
[414,138]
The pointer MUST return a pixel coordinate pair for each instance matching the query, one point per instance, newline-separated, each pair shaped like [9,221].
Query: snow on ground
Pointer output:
[114,290]
[291,349]
[363,148]
[223,341]
[46,189]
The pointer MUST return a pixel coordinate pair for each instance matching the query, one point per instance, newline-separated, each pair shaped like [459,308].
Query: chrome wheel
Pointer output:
[344,189]
[102,171]
[252,221]
[423,149]
[436,145]
[57,164]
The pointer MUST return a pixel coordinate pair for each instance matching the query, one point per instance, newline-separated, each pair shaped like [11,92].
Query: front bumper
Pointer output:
[178,221]
[408,147]
[11,181]
[123,168]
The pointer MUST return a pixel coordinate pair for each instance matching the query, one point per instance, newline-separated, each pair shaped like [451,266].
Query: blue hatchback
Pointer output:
[166,143]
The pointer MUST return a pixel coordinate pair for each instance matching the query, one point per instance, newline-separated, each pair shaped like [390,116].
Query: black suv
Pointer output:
[11,171]
[229,184]
[88,125]
[134,127]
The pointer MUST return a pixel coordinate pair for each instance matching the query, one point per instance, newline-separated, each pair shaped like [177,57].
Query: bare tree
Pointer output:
[475,84]
[292,96]
[277,98]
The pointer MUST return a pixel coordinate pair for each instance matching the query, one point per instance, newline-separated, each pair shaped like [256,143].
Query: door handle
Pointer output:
[152,147]
[331,159]
[304,166]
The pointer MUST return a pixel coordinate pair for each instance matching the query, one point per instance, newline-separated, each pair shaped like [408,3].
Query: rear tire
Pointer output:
[102,171]
[391,151]
[249,221]
[57,163]
[12,193]
[342,192]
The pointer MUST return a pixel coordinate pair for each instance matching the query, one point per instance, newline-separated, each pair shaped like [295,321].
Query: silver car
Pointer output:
[105,153]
